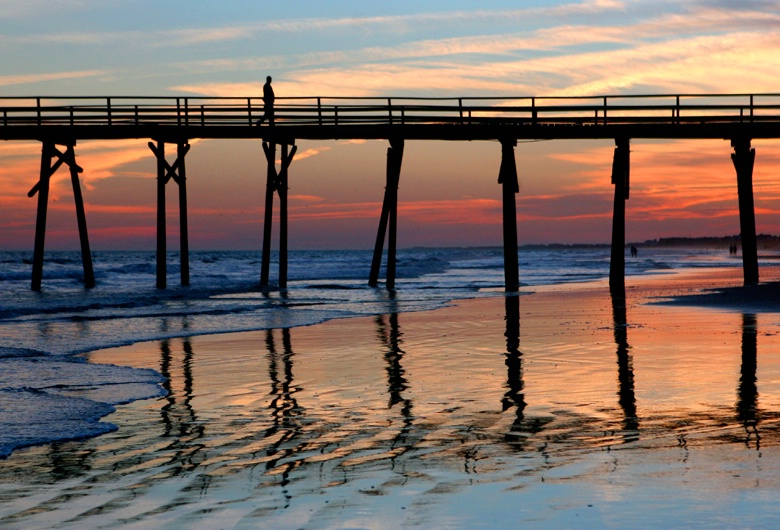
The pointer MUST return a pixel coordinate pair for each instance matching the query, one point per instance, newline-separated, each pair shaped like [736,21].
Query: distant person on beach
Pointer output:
[268,102]
[634,251]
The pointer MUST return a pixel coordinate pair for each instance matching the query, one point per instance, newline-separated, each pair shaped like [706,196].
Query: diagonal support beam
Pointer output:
[388,217]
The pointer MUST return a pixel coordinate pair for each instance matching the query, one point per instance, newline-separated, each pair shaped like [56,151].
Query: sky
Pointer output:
[448,193]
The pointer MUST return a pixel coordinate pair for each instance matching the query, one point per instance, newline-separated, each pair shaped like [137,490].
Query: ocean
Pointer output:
[48,393]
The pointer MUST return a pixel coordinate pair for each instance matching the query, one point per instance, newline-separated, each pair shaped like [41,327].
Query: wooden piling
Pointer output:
[162,250]
[507,177]
[42,188]
[178,173]
[184,242]
[282,191]
[514,397]
[396,157]
[270,187]
[743,159]
[48,152]
[388,217]
[81,218]
[621,164]
[287,157]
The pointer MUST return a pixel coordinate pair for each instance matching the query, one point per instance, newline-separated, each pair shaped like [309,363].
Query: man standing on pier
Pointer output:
[268,102]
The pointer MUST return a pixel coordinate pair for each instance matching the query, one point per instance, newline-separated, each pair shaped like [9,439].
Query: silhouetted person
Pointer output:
[268,102]
[634,251]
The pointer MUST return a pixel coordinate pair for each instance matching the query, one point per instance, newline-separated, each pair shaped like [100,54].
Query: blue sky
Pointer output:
[424,48]
[400,48]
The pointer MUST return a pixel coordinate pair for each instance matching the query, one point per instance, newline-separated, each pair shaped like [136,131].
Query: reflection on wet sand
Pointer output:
[401,407]
[626,395]
[179,419]
[747,391]
[389,333]
[514,397]
[285,410]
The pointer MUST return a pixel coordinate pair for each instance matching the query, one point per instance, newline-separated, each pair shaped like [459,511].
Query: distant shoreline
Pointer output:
[765,241]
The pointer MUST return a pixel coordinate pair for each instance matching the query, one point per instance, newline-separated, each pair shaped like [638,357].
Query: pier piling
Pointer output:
[743,159]
[388,217]
[621,167]
[48,152]
[276,182]
[288,153]
[166,172]
[184,238]
[270,186]
[81,217]
[162,250]
[42,188]
[507,177]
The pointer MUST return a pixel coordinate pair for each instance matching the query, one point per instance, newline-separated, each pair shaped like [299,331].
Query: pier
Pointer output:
[59,123]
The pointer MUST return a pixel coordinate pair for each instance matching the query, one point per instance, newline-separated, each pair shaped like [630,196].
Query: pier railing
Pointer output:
[368,111]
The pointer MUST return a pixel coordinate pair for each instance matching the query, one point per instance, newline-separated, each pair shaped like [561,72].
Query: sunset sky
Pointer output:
[448,191]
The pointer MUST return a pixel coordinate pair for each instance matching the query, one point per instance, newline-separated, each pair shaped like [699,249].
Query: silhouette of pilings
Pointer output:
[621,168]
[389,333]
[284,407]
[60,121]
[276,182]
[514,396]
[743,158]
[507,177]
[388,217]
[48,153]
[747,391]
[166,172]
[626,395]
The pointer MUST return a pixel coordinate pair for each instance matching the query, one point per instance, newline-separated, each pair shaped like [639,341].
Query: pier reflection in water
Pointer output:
[627,397]
[747,392]
[399,403]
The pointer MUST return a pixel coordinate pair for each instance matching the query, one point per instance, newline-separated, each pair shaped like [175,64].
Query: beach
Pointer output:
[604,413]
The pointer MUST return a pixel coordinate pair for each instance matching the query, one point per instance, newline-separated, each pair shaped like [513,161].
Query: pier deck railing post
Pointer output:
[388,216]
[507,177]
[270,187]
[743,159]
[621,164]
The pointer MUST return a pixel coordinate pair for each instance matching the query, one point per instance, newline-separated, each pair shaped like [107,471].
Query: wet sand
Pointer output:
[596,412]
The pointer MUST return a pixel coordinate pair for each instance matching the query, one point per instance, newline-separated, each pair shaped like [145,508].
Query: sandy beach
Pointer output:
[605,413]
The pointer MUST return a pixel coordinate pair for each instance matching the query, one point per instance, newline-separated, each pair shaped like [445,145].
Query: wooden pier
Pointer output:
[59,123]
